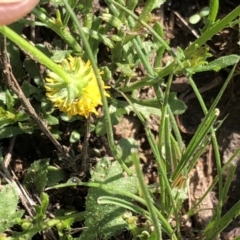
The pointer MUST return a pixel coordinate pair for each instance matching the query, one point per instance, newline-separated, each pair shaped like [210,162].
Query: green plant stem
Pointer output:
[102,92]
[165,71]
[146,194]
[88,18]
[201,133]
[137,43]
[165,184]
[217,26]
[215,144]
[214,5]
[199,42]
[57,26]
[164,113]
[34,52]
[219,224]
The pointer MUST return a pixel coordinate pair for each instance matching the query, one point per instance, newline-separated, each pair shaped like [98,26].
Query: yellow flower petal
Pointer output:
[81,96]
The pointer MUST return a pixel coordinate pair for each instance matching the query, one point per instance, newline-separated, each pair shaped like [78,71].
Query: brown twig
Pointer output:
[84,153]
[26,201]
[14,86]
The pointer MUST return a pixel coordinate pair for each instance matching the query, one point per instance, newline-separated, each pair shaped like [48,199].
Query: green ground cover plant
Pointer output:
[73,84]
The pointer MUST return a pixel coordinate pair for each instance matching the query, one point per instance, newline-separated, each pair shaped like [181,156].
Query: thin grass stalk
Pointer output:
[229,178]
[88,18]
[216,227]
[214,5]
[61,31]
[162,145]
[126,204]
[146,194]
[177,152]
[201,132]
[165,45]
[214,182]
[104,99]
[164,184]
[171,205]
[137,43]
[217,27]
[215,144]
[164,113]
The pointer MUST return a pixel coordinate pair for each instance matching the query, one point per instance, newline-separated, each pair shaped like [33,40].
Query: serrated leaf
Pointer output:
[8,207]
[106,220]
[36,176]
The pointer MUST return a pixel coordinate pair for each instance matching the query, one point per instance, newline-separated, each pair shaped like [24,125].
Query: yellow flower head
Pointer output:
[79,96]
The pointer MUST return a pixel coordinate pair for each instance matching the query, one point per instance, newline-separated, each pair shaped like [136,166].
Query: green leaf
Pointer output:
[177,106]
[106,220]
[9,101]
[56,134]
[8,132]
[8,207]
[41,210]
[27,127]
[46,106]
[21,116]
[116,111]
[32,68]
[59,55]
[194,19]
[6,117]
[204,12]
[54,175]
[36,176]
[9,117]
[51,120]
[75,136]
[126,70]
[125,145]
[29,90]
[147,111]
[44,203]
[218,64]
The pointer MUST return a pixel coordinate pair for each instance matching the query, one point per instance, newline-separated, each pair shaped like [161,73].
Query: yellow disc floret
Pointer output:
[79,96]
